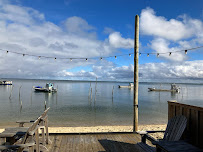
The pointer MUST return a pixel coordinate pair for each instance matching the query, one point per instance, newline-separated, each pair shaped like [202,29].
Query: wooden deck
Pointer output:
[113,142]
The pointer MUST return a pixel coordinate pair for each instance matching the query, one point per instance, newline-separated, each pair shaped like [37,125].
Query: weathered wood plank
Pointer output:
[94,142]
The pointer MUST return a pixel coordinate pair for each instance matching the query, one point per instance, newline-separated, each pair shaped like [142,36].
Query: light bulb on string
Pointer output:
[140,54]
[71,59]
[115,57]
[129,54]
[23,54]
[7,52]
[147,54]
[55,59]
[185,51]
[170,53]
[157,55]
[39,57]
[101,58]
[86,59]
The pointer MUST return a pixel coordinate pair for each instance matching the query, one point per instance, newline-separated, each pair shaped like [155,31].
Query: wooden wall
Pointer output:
[194,130]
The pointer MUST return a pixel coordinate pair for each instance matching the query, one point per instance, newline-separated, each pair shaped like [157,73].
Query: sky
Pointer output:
[73,30]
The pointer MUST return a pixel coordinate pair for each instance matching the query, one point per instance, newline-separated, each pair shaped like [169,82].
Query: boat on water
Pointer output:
[174,88]
[131,85]
[5,82]
[48,88]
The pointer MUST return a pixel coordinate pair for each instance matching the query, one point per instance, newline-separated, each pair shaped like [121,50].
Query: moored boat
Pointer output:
[48,88]
[174,88]
[131,85]
[5,82]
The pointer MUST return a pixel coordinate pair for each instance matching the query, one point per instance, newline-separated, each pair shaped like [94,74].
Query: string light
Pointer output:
[55,59]
[170,53]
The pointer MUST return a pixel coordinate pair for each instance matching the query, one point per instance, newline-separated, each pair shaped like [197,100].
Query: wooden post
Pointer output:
[136,57]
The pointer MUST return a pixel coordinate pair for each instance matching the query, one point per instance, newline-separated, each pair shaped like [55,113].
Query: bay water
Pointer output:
[75,105]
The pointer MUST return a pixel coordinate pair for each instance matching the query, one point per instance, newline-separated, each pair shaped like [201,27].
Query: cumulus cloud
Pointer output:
[150,71]
[79,26]
[117,41]
[103,71]
[108,30]
[172,29]
[26,30]
[171,35]
[188,69]
[162,46]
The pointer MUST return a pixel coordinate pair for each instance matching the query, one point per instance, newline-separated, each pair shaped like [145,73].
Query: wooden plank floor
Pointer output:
[95,143]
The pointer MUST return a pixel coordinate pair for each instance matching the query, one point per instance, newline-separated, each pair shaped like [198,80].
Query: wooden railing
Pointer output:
[194,130]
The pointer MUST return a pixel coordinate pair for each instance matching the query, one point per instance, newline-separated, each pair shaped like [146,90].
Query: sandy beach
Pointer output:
[100,129]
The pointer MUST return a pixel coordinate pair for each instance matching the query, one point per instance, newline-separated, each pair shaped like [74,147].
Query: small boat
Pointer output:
[174,88]
[131,85]
[48,88]
[5,82]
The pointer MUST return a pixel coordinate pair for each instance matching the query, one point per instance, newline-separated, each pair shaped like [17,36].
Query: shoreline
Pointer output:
[100,129]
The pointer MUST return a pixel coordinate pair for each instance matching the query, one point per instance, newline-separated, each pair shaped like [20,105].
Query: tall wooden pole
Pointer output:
[136,76]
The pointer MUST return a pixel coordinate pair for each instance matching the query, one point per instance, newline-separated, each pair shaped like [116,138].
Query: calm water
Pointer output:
[72,105]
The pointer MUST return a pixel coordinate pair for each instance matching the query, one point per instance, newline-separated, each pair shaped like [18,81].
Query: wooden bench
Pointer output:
[29,140]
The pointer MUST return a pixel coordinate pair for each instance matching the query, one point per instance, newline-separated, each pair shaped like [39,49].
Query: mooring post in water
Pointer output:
[91,94]
[95,90]
[11,92]
[136,66]
[45,105]
[112,91]
[21,106]
[89,91]
[19,92]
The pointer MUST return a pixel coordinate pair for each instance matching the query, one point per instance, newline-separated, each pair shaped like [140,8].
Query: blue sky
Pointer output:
[94,29]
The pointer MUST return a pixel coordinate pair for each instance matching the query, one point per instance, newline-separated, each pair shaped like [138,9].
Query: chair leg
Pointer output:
[43,136]
[144,138]
[47,132]
[37,141]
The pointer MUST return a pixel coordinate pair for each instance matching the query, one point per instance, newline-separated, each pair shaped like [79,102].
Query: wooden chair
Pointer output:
[21,130]
[173,132]
[43,124]
[30,140]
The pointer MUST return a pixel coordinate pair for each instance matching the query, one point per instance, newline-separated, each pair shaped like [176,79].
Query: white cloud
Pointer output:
[171,35]
[117,41]
[27,31]
[108,30]
[188,69]
[162,46]
[150,71]
[79,26]
[172,29]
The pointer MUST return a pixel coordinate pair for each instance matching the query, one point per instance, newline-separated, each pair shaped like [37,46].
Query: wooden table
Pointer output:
[176,146]
[9,134]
